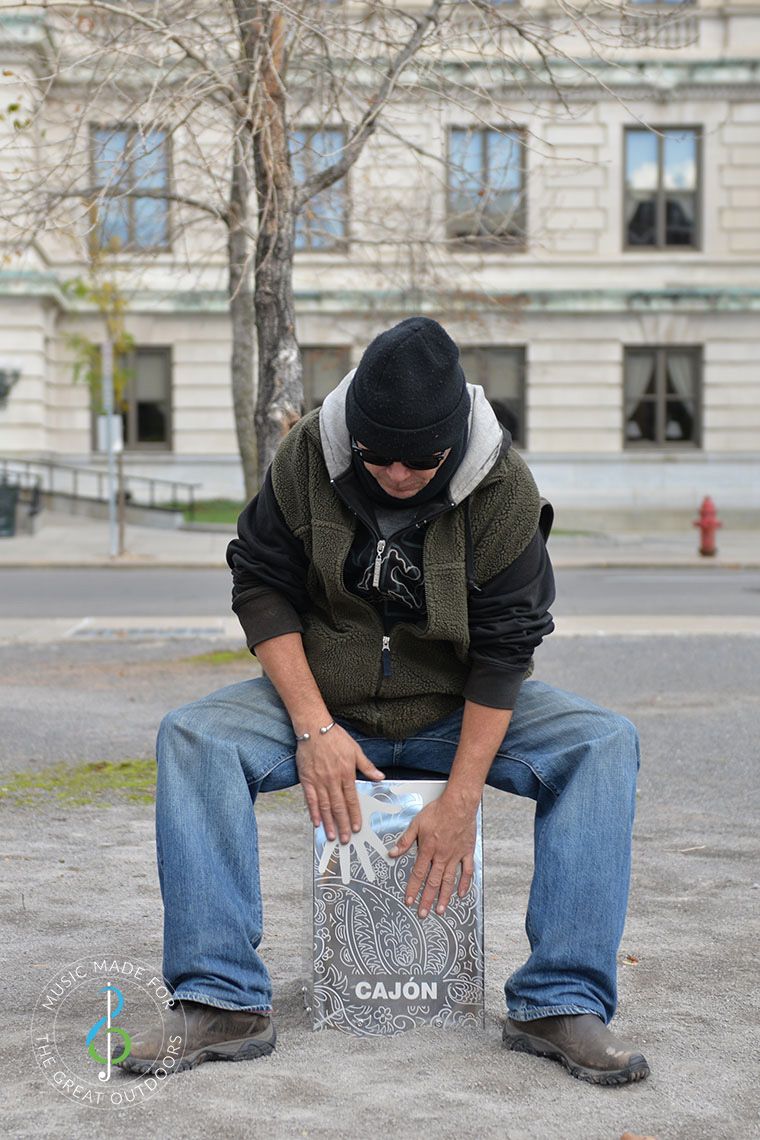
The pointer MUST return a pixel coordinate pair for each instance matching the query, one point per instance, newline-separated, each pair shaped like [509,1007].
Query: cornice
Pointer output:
[41,285]
[662,74]
[632,78]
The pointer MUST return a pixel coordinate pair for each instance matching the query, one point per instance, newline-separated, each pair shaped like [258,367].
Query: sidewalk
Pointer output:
[72,541]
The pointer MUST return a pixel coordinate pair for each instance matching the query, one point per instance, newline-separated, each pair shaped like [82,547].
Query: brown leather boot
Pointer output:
[582,1043]
[191,1033]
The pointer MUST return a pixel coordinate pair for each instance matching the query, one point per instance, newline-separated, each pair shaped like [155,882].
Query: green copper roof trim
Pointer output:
[19,18]
[32,283]
[720,298]
[714,299]
[623,70]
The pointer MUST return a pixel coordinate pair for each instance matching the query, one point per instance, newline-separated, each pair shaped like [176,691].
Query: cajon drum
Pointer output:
[376,968]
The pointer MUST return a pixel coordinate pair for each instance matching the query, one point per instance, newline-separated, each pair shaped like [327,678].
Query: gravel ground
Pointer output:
[79,701]
[82,879]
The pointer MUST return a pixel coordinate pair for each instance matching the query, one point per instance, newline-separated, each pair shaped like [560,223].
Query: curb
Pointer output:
[560,563]
[133,564]
[653,564]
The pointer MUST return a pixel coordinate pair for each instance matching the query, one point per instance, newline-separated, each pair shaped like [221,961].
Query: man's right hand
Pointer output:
[327,762]
[327,765]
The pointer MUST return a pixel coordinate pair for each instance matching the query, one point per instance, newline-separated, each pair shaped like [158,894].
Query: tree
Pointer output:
[227,82]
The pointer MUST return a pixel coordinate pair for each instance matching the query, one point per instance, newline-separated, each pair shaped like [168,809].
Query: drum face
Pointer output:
[377,968]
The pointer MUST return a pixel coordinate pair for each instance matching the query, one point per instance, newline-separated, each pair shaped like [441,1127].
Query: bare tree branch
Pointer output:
[377,103]
[132,13]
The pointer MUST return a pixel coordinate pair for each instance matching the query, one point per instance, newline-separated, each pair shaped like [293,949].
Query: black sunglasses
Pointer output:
[424,463]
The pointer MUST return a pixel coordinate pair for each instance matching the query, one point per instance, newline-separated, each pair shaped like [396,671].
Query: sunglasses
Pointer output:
[424,463]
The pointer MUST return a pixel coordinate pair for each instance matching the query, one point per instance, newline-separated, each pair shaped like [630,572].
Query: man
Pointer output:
[392,578]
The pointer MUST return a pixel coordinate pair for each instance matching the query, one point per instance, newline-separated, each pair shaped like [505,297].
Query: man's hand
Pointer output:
[446,835]
[361,841]
[327,767]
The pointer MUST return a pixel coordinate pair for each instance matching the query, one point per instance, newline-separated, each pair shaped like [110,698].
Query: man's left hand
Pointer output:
[445,833]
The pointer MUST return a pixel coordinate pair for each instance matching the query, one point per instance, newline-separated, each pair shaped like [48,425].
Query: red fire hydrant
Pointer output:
[708,523]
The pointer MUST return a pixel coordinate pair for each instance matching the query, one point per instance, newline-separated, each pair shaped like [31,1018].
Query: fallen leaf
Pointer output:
[630,960]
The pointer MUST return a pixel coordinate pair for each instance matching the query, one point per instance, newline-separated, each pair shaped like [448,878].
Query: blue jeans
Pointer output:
[577,761]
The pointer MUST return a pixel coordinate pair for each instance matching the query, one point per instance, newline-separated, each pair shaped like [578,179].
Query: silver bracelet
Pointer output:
[322,731]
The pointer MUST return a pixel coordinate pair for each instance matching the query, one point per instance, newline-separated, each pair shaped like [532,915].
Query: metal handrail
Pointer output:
[79,475]
[34,482]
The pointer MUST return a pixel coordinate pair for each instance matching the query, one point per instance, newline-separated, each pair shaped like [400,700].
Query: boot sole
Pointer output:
[636,1070]
[244,1049]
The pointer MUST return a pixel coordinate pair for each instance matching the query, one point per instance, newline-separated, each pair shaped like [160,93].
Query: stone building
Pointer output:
[609,305]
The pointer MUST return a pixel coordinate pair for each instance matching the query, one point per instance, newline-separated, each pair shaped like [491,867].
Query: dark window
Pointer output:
[322,222]
[146,403]
[486,185]
[126,161]
[323,370]
[662,397]
[662,187]
[501,373]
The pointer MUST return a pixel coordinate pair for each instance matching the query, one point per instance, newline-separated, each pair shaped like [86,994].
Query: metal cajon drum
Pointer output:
[376,968]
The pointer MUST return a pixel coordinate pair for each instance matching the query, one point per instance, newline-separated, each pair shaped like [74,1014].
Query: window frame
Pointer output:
[696,245]
[308,403]
[521,350]
[130,364]
[133,129]
[491,241]
[661,444]
[341,243]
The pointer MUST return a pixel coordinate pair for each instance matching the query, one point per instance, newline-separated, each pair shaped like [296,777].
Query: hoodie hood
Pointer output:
[487,441]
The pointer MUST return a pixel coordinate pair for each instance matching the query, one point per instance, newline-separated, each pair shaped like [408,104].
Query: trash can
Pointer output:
[8,504]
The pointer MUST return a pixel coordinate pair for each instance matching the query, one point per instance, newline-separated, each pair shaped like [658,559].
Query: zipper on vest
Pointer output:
[386,657]
[378,563]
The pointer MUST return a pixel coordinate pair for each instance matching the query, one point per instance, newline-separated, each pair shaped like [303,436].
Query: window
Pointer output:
[323,370]
[661,187]
[146,403]
[486,185]
[662,397]
[501,373]
[322,222]
[125,161]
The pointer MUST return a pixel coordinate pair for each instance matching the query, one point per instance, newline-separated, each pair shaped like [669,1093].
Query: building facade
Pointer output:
[598,265]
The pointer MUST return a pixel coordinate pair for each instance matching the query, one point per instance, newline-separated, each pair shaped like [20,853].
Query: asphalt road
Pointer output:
[156,592]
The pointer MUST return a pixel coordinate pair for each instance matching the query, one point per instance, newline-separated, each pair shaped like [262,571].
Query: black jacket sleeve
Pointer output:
[269,568]
[508,618]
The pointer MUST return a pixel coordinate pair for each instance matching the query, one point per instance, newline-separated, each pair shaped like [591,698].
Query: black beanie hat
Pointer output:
[409,396]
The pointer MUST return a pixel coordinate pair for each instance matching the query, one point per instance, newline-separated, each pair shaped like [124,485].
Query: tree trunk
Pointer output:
[241,316]
[280,394]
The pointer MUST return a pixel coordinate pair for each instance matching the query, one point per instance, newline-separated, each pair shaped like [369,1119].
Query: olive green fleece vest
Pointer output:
[343,633]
